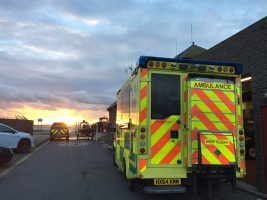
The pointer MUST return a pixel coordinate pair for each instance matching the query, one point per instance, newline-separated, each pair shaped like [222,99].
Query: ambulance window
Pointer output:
[126,101]
[165,96]
[214,79]
[119,105]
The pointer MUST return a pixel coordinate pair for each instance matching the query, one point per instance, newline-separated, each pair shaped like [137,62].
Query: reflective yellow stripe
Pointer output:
[209,156]
[160,132]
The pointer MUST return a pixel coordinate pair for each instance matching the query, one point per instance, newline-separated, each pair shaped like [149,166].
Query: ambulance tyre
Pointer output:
[114,157]
[124,168]
[135,185]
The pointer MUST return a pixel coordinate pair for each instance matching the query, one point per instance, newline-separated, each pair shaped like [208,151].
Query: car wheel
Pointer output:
[24,146]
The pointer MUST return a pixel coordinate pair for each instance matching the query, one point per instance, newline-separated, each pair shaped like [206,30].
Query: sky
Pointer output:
[66,59]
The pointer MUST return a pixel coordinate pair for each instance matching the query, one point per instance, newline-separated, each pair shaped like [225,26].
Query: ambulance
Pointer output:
[179,125]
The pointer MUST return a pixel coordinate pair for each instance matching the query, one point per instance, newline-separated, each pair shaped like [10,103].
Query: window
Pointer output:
[126,101]
[6,129]
[213,80]
[59,125]
[165,95]
[119,105]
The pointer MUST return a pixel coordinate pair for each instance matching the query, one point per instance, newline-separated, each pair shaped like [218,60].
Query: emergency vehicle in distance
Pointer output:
[59,130]
[180,121]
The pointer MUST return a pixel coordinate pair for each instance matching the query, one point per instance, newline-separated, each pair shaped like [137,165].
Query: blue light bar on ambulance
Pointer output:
[190,65]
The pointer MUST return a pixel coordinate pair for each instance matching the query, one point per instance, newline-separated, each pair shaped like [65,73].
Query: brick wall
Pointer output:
[249,47]
[19,124]
[112,115]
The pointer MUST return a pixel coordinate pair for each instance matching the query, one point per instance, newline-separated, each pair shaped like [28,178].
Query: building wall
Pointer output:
[249,47]
[112,115]
[19,124]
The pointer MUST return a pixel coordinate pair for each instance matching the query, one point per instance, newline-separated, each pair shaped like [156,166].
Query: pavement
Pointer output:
[40,136]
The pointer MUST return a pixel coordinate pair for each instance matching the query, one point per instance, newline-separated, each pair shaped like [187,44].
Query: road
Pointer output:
[75,170]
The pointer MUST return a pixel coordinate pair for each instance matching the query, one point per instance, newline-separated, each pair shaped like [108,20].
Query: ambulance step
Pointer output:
[164,189]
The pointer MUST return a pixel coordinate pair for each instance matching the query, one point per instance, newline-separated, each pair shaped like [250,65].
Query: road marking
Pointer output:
[74,144]
[21,161]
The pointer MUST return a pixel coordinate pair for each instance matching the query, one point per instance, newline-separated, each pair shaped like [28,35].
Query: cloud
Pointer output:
[73,54]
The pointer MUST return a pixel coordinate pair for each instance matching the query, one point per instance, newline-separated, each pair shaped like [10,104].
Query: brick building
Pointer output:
[249,47]
[23,125]
[112,109]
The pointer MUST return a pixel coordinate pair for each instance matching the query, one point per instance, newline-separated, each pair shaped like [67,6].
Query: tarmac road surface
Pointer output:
[76,170]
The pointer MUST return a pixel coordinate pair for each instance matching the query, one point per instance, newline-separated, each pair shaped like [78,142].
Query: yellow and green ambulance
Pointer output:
[180,121]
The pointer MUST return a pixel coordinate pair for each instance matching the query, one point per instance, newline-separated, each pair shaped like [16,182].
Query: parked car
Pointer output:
[59,130]
[16,140]
[6,155]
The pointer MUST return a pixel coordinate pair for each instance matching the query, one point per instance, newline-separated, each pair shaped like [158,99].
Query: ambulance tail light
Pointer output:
[151,64]
[241,138]
[142,150]
[163,65]
[231,70]
[219,69]
[225,69]
[241,142]
[142,129]
[142,144]
[142,136]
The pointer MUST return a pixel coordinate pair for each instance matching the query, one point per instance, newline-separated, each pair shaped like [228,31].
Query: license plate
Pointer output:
[167,181]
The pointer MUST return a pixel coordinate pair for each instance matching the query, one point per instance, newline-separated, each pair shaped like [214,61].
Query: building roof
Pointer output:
[112,106]
[191,51]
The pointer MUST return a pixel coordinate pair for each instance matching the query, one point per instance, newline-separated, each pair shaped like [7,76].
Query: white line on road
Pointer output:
[20,161]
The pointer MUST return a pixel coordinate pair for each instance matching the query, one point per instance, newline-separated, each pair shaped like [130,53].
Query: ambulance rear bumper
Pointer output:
[164,189]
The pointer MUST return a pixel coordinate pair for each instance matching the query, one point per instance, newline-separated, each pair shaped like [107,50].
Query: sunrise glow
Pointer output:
[69,116]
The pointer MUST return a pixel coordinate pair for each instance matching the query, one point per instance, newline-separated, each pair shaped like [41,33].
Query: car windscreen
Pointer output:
[165,95]
[59,125]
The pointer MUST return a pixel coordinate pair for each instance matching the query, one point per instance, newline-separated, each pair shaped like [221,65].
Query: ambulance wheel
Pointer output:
[67,138]
[114,157]
[124,168]
[135,185]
